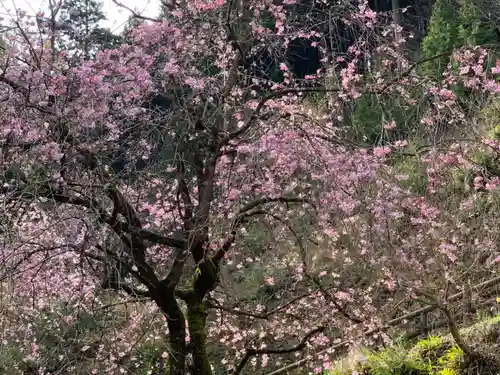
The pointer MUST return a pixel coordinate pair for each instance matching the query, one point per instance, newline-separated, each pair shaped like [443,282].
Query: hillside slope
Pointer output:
[434,355]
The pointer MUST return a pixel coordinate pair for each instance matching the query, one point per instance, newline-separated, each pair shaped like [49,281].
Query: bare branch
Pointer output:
[315,280]
[265,200]
[175,273]
[130,290]
[263,316]
[184,191]
[134,13]
[245,213]
[392,322]
[120,226]
[253,352]
[132,300]
[224,248]
[379,90]
[123,207]
[255,113]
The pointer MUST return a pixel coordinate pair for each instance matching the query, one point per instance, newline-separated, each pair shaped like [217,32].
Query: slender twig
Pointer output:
[253,352]
[390,323]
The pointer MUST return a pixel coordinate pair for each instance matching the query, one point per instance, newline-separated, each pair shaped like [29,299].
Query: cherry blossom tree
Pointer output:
[165,171]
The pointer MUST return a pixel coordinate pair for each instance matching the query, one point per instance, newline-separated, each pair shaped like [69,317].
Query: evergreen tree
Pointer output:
[84,33]
[454,23]
[442,34]
[474,29]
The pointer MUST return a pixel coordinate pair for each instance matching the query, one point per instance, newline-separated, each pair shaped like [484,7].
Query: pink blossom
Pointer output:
[343,296]
[269,280]
[382,151]
[239,170]
[391,125]
[400,143]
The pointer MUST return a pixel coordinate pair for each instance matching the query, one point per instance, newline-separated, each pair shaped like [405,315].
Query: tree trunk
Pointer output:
[196,321]
[396,16]
[177,334]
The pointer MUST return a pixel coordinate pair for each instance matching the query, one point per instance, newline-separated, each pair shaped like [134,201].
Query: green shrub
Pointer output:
[489,119]
[414,169]
[395,361]
[452,358]
[447,371]
[431,343]
[371,112]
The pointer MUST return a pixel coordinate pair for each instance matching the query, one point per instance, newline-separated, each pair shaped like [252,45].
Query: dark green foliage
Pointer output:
[489,163]
[442,35]
[84,33]
[151,355]
[372,112]
[367,119]
[454,23]
[474,28]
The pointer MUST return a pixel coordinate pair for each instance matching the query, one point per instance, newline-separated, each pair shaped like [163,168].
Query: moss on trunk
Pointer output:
[177,333]
[196,320]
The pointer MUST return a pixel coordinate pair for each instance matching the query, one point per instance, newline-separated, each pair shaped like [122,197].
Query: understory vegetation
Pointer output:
[436,354]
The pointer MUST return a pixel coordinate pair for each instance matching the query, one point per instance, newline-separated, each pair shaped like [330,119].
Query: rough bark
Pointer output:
[469,353]
[177,334]
[197,315]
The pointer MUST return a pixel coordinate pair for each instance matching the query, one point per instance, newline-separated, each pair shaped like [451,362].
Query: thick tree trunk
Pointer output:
[196,321]
[177,334]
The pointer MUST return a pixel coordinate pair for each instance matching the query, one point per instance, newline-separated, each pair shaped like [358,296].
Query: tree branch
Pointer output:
[315,280]
[393,322]
[263,316]
[246,212]
[130,290]
[184,191]
[265,200]
[175,273]
[134,13]
[224,248]
[253,117]
[91,204]
[253,352]
[333,300]
[255,113]
[122,206]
